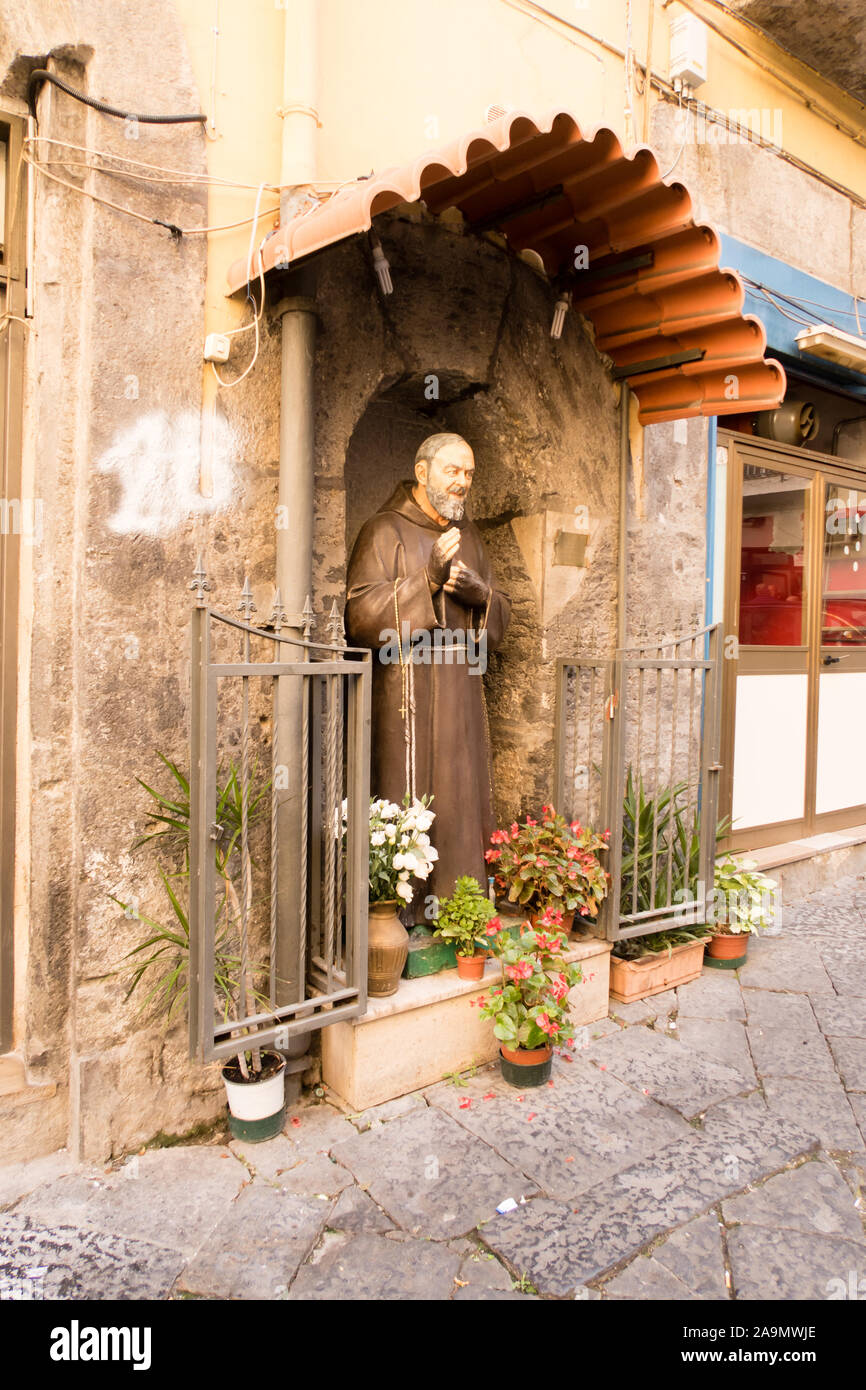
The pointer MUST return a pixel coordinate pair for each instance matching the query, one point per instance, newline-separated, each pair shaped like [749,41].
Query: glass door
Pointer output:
[794,756]
[772,602]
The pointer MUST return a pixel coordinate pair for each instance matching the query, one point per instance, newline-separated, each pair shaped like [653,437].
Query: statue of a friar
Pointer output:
[422,595]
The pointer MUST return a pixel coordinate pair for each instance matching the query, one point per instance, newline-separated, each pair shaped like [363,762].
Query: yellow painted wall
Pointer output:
[398,77]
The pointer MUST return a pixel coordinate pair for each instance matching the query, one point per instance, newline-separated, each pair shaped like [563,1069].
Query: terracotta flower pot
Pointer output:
[728,945]
[387,949]
[523,1067]
[471,967]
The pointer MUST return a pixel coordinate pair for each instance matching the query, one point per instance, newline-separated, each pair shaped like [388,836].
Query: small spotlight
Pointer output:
[381,265]
[560,309]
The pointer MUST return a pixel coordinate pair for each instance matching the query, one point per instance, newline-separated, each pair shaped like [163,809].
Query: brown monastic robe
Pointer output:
[451,747]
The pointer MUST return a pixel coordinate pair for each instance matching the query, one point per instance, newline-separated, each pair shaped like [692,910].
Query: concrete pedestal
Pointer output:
[432,1026]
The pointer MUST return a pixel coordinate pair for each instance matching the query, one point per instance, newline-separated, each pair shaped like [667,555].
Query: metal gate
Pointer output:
[637,753]
[267,965]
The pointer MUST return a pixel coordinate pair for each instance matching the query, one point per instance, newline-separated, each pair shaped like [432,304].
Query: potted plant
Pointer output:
[645,965]
[467,919]
[551,864]
[743,901]
[529,1006]
[400,850]
[255,1079]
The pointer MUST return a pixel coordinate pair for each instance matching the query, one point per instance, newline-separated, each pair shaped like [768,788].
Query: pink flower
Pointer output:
[493,926]
[575,827]
[521,971]
[558,989]
[491,855]
[515,830]
[531,822]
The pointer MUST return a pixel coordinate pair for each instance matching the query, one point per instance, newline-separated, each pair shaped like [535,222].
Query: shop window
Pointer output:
[772,559]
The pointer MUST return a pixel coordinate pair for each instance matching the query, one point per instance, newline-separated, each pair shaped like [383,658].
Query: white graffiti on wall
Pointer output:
[160,461]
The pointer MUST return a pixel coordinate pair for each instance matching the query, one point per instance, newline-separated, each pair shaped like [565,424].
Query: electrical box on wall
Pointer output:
[688,48]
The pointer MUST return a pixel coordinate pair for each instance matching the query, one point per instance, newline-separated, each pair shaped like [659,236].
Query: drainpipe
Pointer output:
[294,559]
[622,544]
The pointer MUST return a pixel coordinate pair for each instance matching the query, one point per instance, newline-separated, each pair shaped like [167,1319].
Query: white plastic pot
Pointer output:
[256,1100]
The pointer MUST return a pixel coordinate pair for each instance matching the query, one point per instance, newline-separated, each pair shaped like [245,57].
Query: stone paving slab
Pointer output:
[389,1110]
[850,1055]
[173,1197]
[645,1010]
[689,1265]
[570,1136]
[785,963]
[277,1161]
[821,1107]
[723,1041]
[714,994]
[19,1179]
[846,968]
[666,1070]
[561,1246]
[843,1016]
[430,1174]
[376,1267]
[256,1248]
[81,1263]
[645,1278]
[789,1265]
[354,1211]
[858,1105]
[768,1009]
[482,1277]
[790,1052]
[811,1198]
[694,1254]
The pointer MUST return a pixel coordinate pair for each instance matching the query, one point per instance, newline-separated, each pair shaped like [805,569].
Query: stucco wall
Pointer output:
[114,447]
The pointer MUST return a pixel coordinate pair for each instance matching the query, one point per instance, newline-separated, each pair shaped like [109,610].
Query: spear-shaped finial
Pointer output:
[200,582]
[336,628]
[308,618]
[246,605]
[278,617]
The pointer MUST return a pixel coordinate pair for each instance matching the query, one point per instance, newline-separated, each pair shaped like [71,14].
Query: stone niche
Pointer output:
[464,344]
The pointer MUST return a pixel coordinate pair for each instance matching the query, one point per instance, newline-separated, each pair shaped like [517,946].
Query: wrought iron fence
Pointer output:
[279,827]
[636,753]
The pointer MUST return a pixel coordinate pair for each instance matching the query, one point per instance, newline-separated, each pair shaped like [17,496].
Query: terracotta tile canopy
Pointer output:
[665,313]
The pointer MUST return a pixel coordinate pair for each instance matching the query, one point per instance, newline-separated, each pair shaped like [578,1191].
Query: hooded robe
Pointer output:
[448,751]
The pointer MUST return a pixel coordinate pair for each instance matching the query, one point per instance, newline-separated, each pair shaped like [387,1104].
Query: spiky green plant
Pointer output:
[165,967]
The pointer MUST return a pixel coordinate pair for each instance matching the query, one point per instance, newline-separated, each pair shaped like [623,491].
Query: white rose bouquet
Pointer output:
[400,848]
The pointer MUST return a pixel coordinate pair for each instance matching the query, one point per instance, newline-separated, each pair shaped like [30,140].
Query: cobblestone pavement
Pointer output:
[707,1143]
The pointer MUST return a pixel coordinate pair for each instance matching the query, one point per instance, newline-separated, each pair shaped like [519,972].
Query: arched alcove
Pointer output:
[464,344]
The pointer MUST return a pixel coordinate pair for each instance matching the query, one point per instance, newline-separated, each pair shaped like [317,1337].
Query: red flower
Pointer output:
[491,855]
[493,926]
[521,971]
[531,822]
[575,827]
[515,830]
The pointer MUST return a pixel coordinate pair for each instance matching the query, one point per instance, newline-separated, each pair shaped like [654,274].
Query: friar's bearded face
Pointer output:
[447,478]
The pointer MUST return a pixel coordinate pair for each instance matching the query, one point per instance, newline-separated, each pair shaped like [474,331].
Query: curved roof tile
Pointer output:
[653,289]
